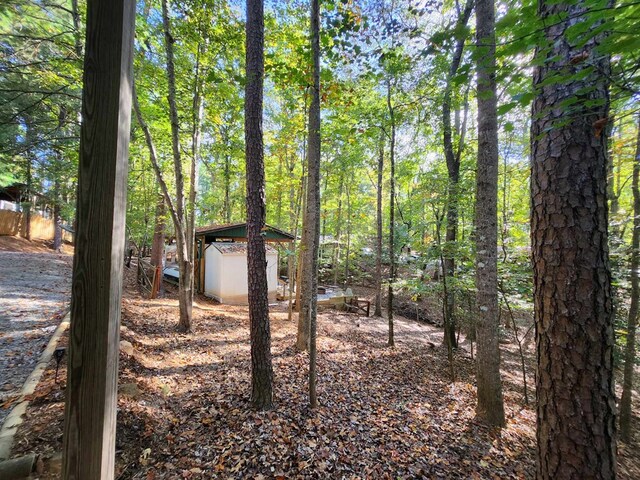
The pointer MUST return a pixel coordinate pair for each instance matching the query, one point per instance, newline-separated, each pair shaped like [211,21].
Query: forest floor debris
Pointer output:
[384,413]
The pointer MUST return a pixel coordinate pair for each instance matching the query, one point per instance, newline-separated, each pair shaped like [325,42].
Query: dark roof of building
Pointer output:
[230,248]
[17,192]
[238,231]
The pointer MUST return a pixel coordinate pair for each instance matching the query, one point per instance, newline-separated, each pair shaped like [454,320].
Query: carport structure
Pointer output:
[231,232]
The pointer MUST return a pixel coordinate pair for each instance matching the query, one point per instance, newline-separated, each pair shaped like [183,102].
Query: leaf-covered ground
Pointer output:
[384,413]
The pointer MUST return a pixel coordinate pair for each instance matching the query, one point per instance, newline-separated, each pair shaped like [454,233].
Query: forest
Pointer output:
[468,169]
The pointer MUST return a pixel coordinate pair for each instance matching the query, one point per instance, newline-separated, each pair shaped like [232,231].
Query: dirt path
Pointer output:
[34,292]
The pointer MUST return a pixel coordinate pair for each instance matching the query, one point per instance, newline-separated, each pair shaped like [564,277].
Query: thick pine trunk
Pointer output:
[572,281]
[632,320]
[261,368]
[490,406]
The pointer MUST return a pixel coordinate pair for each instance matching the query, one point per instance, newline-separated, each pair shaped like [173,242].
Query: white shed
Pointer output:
[225,272]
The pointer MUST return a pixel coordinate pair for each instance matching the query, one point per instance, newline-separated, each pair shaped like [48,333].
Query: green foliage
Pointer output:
[369,49]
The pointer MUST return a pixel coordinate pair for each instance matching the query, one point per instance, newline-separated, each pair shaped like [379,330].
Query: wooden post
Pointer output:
[90,411]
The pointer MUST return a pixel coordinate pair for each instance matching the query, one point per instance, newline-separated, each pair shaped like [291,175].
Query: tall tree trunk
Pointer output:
[194,174]
[57,229]
[572,279]
[302,297]
[313,197]
[302,337]
[185,262]
[295,208]
[157,247]
[28,194]
[453,170]
[77,36]
[153,156]
[336,249]
[632,320]
[348,251]
[490,407]
[227,179]
[261,367]
[392,196]
[279,190]
[378,307]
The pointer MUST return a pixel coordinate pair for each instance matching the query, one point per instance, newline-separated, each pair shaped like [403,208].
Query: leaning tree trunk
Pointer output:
[572,281]
[169,203]
[185,262]
[490,407]
[261,368]
[632,321]
[378,307]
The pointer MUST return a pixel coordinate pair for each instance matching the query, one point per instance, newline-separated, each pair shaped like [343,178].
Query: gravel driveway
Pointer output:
[34,292]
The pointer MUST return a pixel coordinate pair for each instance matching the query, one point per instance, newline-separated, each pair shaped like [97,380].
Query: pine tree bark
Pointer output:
[572,280]
[490,407]
[261,367]
[632,319]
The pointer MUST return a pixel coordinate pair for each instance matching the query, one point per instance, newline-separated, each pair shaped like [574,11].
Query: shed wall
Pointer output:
[226,276]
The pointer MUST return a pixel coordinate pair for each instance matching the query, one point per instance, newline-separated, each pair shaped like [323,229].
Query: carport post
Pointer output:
[90,410]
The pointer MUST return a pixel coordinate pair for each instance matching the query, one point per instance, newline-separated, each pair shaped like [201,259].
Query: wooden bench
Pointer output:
[356,305]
